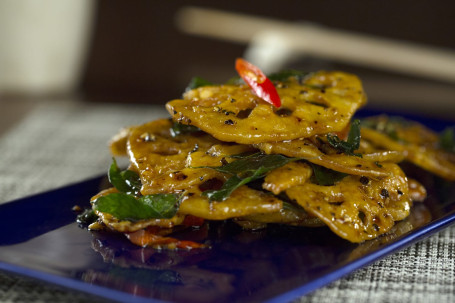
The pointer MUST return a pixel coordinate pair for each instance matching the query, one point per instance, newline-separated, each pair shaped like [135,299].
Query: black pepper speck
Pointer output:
[364,180]
[384,193]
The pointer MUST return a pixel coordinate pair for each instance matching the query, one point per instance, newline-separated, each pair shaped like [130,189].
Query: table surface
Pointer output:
[48,144]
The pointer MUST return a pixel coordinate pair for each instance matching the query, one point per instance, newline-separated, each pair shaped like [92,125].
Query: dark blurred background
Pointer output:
[134,51]
[137,54]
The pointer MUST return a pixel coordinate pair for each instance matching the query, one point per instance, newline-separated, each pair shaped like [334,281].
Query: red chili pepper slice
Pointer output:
[151,237]
[258,82]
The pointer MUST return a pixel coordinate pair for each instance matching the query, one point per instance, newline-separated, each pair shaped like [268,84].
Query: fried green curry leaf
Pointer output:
[244,170]
[127,207]
[232,184]
[235,81]
[126,181]
[87,217]
[248,164]
[180,129]
[447,139]
[351,144]
[225,191]
[197,82]
[324,176]
[291,206]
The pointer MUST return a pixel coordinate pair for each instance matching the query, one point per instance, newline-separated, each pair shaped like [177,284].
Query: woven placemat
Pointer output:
[64,142]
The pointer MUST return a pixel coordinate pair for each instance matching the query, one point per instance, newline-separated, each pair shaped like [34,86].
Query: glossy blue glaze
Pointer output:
[274,265]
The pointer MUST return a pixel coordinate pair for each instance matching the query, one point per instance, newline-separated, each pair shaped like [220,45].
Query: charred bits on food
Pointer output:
[284,112]
[179,176]
[364,180]
[384,193]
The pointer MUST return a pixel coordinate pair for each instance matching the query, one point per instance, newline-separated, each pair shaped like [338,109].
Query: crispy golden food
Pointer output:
[242,202]
[289,175]
[322,102]
[161,159]
[414,141]
[129,226]
[168,164]
[356,208]
[228,154]
[308,150]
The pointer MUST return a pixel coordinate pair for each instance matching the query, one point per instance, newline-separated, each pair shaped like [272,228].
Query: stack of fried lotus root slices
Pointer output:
[230,120]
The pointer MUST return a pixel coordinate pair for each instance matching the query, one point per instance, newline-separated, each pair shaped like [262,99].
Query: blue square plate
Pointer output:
[278,264]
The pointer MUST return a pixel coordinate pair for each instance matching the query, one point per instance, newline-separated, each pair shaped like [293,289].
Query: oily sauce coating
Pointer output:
[418,144]
[242,202]
[169,164]
[160,159]
[322,102]
[355,208]
[287,176]
[307,150]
